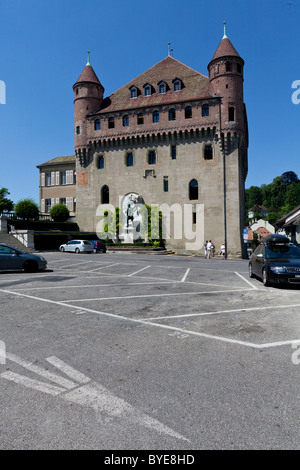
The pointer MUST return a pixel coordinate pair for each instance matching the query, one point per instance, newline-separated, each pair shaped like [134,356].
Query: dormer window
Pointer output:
[162,88]
[133,92]
[147,90]
[177,84]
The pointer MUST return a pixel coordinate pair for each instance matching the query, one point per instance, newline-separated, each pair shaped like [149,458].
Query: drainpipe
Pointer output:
[224,179]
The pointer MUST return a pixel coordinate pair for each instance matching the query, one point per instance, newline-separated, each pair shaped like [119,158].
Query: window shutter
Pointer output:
[52,202]
[43,179]
[67,177]
[57,200]
[71,204]
[52,178]
[68,202]
[71,177]
[43,203]
[57,178]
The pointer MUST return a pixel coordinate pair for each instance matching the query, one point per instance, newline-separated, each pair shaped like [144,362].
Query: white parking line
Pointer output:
[185,275]
[155,295]
[102,267]
[136,272]
[84,286]
[246,280]
[159,325]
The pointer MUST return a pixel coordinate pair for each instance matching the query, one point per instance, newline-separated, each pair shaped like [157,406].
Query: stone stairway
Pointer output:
[9,239]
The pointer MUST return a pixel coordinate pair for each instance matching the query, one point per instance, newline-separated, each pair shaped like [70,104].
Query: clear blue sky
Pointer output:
[44,46]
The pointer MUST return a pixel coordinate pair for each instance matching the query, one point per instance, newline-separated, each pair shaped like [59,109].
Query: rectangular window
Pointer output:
[48,205]
[152,157]
[205,110]
[129,159]
[166,184]
[140,118]
[208,152]
[173,152]
[48,179]
[63,177]
[63,200]
[231,114]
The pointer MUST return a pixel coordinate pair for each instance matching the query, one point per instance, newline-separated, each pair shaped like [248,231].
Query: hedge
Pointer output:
[52,240]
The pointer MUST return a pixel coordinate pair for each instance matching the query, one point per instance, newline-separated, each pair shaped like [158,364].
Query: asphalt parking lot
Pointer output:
[126,351]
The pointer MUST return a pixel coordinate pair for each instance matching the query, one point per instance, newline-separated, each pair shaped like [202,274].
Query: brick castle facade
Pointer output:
[171,136]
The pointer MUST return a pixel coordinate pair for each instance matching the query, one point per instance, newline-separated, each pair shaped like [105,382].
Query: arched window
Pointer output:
[105,195]
[125,120]
[111,123]
[155,116]
[97,125]
[193,190]
[188,112]
[172,114]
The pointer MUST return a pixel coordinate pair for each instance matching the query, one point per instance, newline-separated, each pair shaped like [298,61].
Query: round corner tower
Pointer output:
[226,81]
[88,97]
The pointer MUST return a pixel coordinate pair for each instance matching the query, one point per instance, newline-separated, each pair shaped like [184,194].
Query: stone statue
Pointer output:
[129,214]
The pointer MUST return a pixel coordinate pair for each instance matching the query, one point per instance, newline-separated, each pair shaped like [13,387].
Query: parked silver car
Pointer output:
[12,259]
[78,246]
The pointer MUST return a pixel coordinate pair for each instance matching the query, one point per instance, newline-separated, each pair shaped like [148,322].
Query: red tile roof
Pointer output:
[88,75]
[194,86]
[225,49]
[263,232]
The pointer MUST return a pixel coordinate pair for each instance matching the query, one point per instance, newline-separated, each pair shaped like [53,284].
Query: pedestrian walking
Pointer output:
[209,245]
[205,249]
[223,250]
[212,249]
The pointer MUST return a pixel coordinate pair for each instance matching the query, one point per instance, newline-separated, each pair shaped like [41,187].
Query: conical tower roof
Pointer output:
[225,48]
[88,74]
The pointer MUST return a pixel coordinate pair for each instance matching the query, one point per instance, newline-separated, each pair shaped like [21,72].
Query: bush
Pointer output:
[59,213]
[26,209]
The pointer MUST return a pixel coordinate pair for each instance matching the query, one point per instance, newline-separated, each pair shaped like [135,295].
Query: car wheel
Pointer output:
[62,249]
[30,267]
[265,278]
[77,250]
[251,270]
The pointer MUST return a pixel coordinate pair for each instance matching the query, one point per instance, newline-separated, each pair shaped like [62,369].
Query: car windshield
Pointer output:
[283,251]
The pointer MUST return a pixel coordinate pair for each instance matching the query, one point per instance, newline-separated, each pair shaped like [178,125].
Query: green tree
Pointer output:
[290,177]
[27,209]
[253,197]
[6,205]
[59,213]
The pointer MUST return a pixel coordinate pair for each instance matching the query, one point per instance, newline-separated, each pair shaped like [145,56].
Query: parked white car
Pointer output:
[78,246]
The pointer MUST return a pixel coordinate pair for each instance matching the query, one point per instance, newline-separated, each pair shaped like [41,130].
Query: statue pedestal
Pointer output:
[128,235]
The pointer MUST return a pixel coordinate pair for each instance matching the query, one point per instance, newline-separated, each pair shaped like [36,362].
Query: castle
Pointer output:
[170,136]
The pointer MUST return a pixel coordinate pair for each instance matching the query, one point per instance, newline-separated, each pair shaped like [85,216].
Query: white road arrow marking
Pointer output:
[84,392]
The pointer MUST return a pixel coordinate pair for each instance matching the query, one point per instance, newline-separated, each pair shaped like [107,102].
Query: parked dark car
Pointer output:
[99,246]
[276,260]
[12,259]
